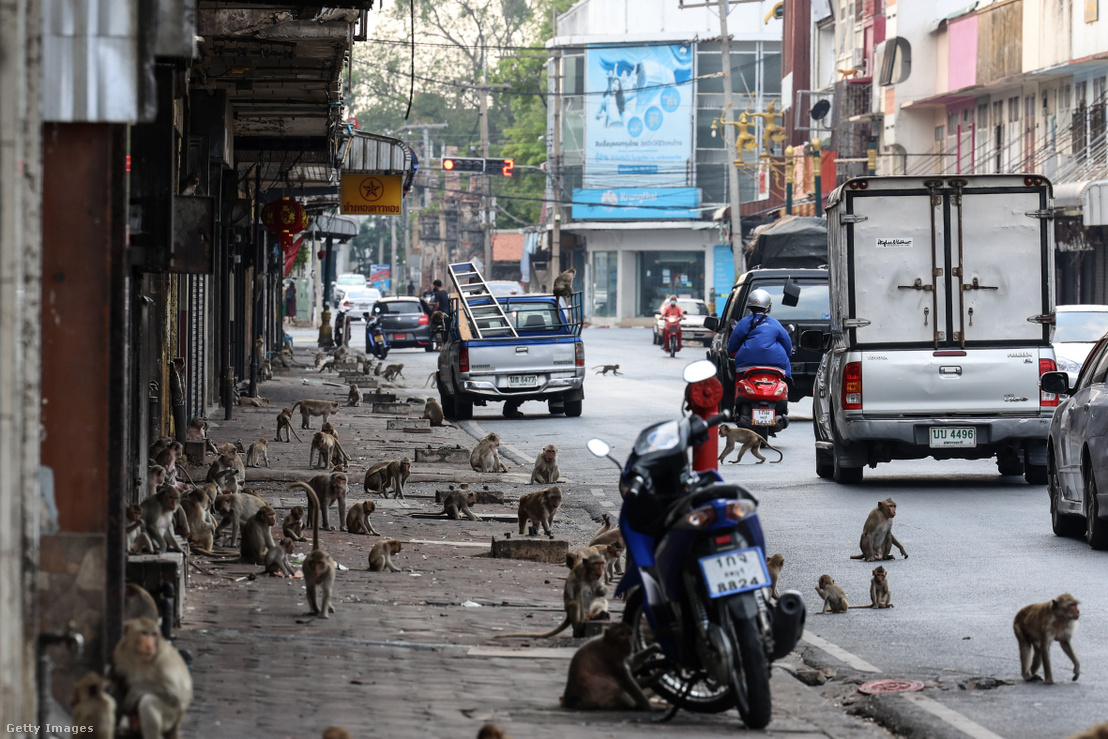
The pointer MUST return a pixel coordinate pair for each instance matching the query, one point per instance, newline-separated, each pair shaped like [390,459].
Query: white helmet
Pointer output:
[759,300]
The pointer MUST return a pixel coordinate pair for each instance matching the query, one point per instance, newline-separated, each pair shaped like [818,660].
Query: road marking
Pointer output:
[950,716]
[537,652]
[599,492]
[607,504]
[839,653]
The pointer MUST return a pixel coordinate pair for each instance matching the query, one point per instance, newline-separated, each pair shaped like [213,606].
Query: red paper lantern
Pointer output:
[321,254]
[284,217]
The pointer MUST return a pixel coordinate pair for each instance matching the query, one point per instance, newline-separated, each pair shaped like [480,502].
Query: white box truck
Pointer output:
[941,321]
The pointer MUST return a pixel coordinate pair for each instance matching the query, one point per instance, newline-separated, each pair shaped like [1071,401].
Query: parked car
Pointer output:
[345,281]
[405,321]
[812,311]
[506,288]
[1077,328]
[352,306]
[692,323]
[1077,450]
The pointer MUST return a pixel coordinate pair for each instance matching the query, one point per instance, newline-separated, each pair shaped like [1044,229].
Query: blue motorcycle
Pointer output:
[375,341]
[697,582]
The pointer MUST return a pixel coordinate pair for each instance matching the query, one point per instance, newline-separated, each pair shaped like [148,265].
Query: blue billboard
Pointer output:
[638,116]
[636,203]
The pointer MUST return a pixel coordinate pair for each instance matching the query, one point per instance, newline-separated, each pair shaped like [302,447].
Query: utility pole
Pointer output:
[486,184]
[392,262]
[426,151]
[556,172]
[729,142]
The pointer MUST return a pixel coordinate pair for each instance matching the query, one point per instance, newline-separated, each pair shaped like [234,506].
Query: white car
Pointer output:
[358,300]
[346,281]
[692,324]
[1077,328]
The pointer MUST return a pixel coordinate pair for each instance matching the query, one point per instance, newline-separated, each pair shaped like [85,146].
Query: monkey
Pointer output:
[329,487]
[257,539]
[235,509]
[610,552]
[1037,625]
[201,528]
[277,559]
[336,732]
[459,501]
[198,431]
[546,466]
[223,473]
[284,421]
[439,322]
[158,446]
[599,676]
[563,285]
[834,598]
[257,453]
[357,519]
[258,402]
[488,731]
[433,376]
[328,366]
[433,411]
[606,368]
[1100,731]
[309,408]
[879,593]
[747,439]
[167,458]
[293,525]
[378,477]
[774,565]
[329,448]
[157,516]
[606,536]
[539,508]
[233,451]
[380,556]
[138,603]
[354,399]
[93,707]
[877,533]
[319,568]
[158,686]
[266,372]
[393,371]
[137,540]
[583,599]
[485,457]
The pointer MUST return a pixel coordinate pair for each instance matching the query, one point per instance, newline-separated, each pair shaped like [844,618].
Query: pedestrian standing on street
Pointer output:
[411,288]
[441,301]
[290,301]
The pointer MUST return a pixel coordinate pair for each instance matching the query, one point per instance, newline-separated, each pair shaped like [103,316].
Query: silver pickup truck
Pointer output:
[941,321]
[544,360]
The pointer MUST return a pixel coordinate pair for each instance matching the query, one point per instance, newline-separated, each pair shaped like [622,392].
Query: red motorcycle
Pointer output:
[761,400]
[671,335]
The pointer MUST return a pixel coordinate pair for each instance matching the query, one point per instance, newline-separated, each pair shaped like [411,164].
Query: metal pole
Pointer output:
[729,139]
[486,189]
[392,261]
[790,164]
[556,172]
[816,177]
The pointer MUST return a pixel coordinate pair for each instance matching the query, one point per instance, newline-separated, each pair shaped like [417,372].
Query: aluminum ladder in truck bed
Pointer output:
[486,317]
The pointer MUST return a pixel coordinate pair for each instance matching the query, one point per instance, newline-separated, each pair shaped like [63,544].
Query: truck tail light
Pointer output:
[580,353]
[463,359]
[424,319]
[852,387]
[1047,400]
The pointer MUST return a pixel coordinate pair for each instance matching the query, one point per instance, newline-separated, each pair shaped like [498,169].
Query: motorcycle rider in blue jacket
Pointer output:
[758,340]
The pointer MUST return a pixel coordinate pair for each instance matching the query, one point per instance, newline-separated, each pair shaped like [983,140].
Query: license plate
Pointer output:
[945,436]
[734,572]
[399,337]
[763,417]
[523,380]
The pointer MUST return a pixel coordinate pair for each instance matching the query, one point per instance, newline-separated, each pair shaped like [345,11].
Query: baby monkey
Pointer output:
[834,597]
[380,556]
[277,559]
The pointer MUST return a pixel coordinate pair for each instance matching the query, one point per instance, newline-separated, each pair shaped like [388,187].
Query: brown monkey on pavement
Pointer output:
[309,408]
[746,439]
[93,707]
[380,556]
[232,451]
[257,539]
[1039,624]
[485,457]
[336,732]
[583,599]
[201,527]
[329,487]
[563,284]
[834,597]
[329,448]
[293,525]
[774,565]
[156,683]
[1100,731]
[277,559]
[610,552]
[235,509]
[284,421]
[606,536]
[379,475]
[393,371]
[599,677]
[137,540]
[138,603]
[247,401]
[606,368]
[354,398]
[459,501]
[158,512]
[879,594]
[357,519]
[539,508]
[433,412]
[319,568]
[329,428]
[877,533]
[257,454]
[546,466]
[489,731]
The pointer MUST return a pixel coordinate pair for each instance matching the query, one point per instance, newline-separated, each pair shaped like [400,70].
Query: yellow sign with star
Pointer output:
[371,194]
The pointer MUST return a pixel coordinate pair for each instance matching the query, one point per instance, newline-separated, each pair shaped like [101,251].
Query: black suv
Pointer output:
[812,311]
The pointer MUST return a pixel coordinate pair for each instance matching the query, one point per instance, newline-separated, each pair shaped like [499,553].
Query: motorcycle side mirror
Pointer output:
[711,323]
[699,371]
[790,293]
[600,448]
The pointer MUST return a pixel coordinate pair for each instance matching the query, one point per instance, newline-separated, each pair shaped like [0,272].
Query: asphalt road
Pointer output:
[980,548]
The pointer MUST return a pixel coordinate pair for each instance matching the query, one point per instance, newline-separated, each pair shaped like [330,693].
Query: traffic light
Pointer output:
[463,164]
[504,165]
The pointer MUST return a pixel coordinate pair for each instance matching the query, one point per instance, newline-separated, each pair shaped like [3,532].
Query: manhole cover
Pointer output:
[890,686]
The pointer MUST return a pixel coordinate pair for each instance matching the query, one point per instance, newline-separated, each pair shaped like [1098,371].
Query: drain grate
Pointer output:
[877,687]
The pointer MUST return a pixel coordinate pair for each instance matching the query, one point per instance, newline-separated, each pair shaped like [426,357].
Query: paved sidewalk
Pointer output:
[411,653]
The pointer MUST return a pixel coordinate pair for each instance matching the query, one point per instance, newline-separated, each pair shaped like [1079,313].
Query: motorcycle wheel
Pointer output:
[705,695]
[672,346]
[751,674]
[381,351]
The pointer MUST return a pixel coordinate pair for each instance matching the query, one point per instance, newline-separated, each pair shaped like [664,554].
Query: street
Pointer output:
[980,548]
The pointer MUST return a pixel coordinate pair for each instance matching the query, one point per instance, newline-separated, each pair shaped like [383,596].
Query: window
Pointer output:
[604,293]
[665,273]
[1013,109]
